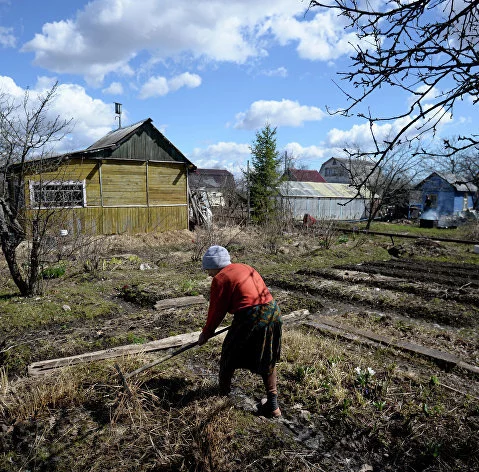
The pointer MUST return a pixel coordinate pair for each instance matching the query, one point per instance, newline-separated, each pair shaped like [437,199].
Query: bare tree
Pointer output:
[26,137]
[389,186]
[427,49]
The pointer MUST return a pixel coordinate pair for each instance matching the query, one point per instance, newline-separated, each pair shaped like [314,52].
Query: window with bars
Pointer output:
[59,194]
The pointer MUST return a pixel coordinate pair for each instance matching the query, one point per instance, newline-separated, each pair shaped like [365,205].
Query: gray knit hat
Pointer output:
[216,257]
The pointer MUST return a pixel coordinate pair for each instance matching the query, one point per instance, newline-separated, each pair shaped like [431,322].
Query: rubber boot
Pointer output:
[225,377]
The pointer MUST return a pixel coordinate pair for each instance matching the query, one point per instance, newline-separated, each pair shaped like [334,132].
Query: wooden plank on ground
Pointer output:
[181,301]
[37,369]
[41,367]
[351,333]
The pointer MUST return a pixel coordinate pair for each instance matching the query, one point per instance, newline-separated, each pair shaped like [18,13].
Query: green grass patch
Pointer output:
[59,306]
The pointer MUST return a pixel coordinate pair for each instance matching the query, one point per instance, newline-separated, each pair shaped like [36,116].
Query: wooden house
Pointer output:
[446,194]
[130,181]
[339,170]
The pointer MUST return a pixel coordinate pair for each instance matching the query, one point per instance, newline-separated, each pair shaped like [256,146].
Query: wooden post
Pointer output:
[148,216]
[100,163]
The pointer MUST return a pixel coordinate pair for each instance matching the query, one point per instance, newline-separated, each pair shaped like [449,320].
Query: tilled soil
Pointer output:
[459,276]
[429,303]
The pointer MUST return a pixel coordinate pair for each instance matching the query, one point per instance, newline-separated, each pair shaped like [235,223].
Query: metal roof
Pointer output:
[460,184]
[316,190]
[211,178]
[304,175]
[115,136]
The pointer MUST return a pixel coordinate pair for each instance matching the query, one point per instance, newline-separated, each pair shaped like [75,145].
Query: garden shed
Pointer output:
[132,180]
[322,201]
[446,194]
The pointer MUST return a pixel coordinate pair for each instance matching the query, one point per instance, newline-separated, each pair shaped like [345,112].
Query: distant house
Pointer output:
[300,175]
[216,183]
[322,200]
[446,194]
[338,170]
[131,180]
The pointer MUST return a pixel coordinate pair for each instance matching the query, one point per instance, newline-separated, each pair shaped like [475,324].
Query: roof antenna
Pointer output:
[118,113]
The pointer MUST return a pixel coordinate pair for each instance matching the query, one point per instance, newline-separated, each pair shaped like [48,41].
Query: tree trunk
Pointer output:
[11,235]
[11,258]
[33,277]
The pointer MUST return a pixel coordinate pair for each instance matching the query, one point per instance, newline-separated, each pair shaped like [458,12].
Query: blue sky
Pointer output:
[209,73]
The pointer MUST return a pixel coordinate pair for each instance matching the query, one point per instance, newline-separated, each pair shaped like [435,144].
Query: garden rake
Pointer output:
[125,377]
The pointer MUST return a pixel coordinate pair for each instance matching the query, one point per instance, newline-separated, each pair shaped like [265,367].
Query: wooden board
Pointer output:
[40,368]
[351,333]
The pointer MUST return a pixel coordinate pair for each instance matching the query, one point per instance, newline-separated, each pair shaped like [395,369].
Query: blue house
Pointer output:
[446,194]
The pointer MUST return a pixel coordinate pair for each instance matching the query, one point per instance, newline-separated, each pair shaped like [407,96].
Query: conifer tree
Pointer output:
[265,174]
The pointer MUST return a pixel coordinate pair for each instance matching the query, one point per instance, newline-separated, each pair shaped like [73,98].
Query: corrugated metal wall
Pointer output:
[325,208]
[322,200]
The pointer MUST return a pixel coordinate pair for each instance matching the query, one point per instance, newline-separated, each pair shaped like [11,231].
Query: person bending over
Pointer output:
[254,340]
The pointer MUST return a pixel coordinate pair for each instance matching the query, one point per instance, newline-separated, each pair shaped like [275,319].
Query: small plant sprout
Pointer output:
[379,405]
[364,376]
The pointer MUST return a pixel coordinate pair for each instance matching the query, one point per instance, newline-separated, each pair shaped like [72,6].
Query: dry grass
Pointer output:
[81,418]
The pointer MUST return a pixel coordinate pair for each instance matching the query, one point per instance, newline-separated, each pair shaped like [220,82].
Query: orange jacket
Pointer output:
[236,287]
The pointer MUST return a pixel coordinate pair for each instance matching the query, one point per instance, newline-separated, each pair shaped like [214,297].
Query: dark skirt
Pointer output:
[254,340]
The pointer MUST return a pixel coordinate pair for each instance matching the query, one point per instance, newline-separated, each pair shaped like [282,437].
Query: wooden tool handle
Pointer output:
[173,354]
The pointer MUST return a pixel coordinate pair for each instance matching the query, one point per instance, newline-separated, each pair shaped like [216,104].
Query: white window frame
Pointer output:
[34,183]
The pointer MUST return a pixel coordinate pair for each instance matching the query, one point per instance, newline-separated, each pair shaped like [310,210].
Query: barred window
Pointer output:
[58,194]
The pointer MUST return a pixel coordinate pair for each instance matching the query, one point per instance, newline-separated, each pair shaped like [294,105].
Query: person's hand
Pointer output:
[202,339]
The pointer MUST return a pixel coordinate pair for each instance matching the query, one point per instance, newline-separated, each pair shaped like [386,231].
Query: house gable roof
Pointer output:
[115,137]
[345,162]
[109,146]
[300,175]
[211,178]
[456,181]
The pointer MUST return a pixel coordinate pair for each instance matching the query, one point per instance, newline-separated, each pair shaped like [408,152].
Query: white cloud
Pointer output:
[106,35]
[7,39]
[225,155]
[9,87]
[184,80]
[159,86]
[279,72]
[115,88]
[92,118]
[429,95]
[323,38]
[359,135]
[283,113]
[234,156]
[306,154]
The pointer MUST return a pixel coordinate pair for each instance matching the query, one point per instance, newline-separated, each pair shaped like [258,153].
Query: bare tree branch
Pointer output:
[427,49]
[27,133]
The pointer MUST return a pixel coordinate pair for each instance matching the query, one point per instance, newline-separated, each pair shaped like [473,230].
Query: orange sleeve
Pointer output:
[219,302]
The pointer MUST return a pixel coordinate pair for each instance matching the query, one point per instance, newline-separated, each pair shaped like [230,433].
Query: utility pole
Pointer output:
[248,192]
